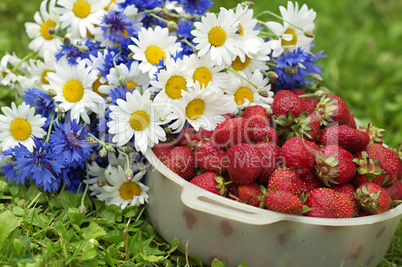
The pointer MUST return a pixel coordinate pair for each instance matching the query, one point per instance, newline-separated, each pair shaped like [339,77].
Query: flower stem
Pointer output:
[241,76]
[30,55]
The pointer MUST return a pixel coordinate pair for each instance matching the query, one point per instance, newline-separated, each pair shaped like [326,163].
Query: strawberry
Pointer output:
[256,116]
[334,165]
[389,160]
[375,134]
[182,161]
[347,190]
[285,179]
[211,182]
[188,137]
[269,160]
[162,150]
[327,203]
[348,138]
[260,134]
[306,126]
[373,198]
[332,108]
[230,132]
[296,153]
[309,181]
[283,202]
[249,194]
[286,102]
[395,190]
[243,163]
[311,101]
[368,170]
[209,157]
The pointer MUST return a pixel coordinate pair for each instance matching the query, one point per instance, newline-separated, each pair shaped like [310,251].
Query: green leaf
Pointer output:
[242,265]
[8,222]
[93,231]
[75,216]
[32,192]
[152,258]
[18,211]
[218,263]
[88,251]
[174,244]
[17,247]
[3,185]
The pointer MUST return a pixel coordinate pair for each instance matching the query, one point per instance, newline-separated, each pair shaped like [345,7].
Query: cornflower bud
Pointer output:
[51,92]
[291,70]
[122,81]
[84,49]
[129,174]
[262,91]
[171,25]
[272,76]
[308,33]
[103,153]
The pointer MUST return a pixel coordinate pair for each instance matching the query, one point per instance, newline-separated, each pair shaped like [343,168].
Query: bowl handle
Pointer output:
[201,200]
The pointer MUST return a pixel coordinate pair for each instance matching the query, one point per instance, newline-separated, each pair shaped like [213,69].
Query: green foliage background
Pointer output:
[364,66]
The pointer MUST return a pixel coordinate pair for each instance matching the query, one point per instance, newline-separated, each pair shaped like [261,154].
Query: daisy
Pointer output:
[39,69]
[172,80]
[123,192]
[290,37]
[81,16]
[45,19]
[133,76]
[7,76]
[20,125]
[137,117]
[152,46]
[73,85]
[216,37]
[202,107]
[243,94]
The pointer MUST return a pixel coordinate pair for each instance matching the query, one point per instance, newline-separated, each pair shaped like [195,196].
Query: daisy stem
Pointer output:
[50,127]
[86,186]
[114,62]
[278,17]
[267,34]
[30,55]
[33,200]
[241,76]
[160,18]
[184,40]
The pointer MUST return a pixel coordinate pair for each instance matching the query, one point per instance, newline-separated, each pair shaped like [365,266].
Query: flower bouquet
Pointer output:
[231,102]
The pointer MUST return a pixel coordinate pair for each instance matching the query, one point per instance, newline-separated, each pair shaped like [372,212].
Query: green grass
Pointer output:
[362,40]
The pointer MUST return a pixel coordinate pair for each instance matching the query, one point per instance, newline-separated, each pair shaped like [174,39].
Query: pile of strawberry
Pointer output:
[304,157]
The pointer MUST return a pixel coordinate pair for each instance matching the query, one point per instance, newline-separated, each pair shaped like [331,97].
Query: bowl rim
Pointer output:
[200,199]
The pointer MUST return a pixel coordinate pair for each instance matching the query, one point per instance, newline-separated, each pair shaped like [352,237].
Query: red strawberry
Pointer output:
[334,165]
[283,202]
[368,170]
[296,153]
[260,134]
[182,161]
[286,101]
[230,132]
[188,137]
[311,101]
[211,182]
[309,181]
[395,190]
[332,108]
[348,138]
[256,116]
[373,198]
[269,159]
[209,157]
[347,191]
[285,179]
[388,159]
[249,194]
[162,150]
[243,163]
[375,134]
[326,203]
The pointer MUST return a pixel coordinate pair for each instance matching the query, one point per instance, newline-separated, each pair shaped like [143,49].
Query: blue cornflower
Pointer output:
[69,139]
[44,104]
[73,179]
[72,52]
[119,93]
[296,68]
[196,7]
[109,55]
[116,26]
[184,29]
[42,166]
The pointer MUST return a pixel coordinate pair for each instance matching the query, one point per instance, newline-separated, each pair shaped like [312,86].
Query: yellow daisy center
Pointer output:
[238,65]
[241,94]
[294,39]
[217,36]
[131,85]
[154,54]
[20,129]
[139,120]
[195,109]
[174,86]
[203,76]
[44,29]
[3,74]
[73,91]
[111,2]
[81,9]
[241,33]
[129,190]
[44,75]
[96,86]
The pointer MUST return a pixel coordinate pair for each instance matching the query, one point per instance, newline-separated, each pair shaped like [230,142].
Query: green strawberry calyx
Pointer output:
[326,168]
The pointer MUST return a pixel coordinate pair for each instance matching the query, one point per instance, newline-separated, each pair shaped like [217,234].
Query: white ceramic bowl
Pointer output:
[215,227]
